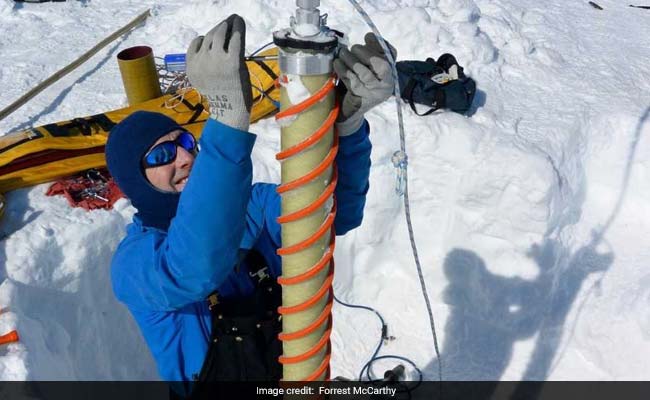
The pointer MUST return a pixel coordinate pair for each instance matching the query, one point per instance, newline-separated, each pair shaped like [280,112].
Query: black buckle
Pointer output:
[261,274]
[213,300]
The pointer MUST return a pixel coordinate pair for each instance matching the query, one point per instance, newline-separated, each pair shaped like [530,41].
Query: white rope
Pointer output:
[400,159]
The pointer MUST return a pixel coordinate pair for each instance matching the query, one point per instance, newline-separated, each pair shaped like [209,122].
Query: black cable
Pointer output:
[367,367]
[261,48]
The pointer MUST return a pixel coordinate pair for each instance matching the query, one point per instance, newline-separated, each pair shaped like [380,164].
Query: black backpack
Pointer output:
[437,84]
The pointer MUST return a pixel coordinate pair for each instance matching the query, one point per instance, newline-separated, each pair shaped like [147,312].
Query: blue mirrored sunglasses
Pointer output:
[165,152]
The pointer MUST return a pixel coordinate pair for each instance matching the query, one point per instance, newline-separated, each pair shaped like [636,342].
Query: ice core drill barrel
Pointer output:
[308,149]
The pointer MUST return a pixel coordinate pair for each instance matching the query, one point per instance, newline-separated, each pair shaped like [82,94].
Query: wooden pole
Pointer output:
[64,71]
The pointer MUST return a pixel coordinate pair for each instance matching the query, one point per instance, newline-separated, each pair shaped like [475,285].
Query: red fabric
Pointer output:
[100,192]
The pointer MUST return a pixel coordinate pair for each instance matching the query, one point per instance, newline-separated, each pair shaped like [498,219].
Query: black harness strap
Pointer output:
[198,109]
[84,126]
[438,102]
[266,69]
[272,75]
[243,345]
[266,93]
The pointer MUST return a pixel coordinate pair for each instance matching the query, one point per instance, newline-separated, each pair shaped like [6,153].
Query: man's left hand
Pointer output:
[367,77]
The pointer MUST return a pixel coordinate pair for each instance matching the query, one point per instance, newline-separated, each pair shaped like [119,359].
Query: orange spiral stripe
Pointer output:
[324,341]
[318,135]
[329,221]
[322,199]
[327,225]
[324,316]
[310,273]
[324,289]
[303,105]
[313,174]
[322,368]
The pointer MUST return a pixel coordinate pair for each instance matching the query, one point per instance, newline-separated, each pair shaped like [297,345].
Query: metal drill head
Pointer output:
[307,46]
[308,4]
[307,14]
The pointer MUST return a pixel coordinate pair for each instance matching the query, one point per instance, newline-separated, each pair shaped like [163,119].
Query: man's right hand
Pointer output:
[216,67]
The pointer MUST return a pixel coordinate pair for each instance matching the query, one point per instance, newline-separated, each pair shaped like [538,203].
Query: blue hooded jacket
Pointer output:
[163,275]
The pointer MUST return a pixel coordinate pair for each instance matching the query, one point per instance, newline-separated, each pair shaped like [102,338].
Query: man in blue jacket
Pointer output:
[202,227]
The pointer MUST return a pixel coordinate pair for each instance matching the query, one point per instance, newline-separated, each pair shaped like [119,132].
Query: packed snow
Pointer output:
[529,213]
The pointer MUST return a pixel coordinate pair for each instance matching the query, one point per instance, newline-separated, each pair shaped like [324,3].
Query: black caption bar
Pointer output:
[332,390]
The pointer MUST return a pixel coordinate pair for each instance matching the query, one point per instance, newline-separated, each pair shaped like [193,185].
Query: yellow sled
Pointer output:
[53,151]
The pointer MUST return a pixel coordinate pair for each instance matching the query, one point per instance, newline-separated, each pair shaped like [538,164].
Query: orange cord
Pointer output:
[328,224]
[313,206]
[303,180]
[305,104]
[10,337]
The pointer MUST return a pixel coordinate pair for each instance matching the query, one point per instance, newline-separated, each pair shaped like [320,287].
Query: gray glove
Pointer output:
[216,67]
[367,78]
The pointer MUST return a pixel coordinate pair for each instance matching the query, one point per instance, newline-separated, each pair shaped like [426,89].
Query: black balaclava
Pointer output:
[127,144]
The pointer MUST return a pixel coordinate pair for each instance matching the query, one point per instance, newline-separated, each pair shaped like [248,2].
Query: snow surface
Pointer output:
[529,214]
